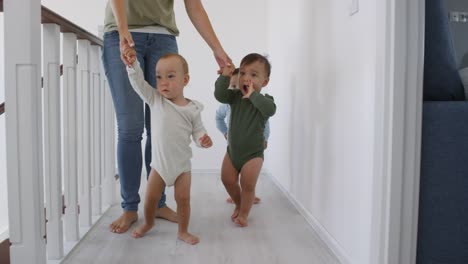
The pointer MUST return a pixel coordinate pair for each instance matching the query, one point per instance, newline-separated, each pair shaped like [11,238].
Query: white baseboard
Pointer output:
[328,239]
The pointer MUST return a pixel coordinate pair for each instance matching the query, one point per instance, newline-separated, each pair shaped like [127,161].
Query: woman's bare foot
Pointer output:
[235,213]
[166,213]
[141,230]
[256,200]
[188,238]
[241,221]
[123,223]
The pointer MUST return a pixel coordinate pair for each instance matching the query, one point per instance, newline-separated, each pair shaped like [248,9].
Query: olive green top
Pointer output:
[142,13]
[248,116]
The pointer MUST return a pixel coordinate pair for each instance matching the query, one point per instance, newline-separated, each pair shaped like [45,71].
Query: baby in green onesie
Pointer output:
[250,111]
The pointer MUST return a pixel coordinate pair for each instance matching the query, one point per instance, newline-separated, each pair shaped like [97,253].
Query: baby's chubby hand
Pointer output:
[205,141]
[130,54]
[247,90]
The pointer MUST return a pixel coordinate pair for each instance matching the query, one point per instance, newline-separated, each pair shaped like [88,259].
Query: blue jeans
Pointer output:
[131,118]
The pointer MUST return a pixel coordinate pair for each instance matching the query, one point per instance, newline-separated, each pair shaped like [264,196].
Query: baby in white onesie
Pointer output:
[174,119]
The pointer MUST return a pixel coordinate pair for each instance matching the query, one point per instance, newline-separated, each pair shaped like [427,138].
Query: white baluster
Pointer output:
[24,131]
[102,133]
[109,130]
[52,138]
[96,118]
[109,182]
[84,129]
[70,137]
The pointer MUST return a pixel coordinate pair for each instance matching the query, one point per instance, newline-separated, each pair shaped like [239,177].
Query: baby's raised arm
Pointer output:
[135,75]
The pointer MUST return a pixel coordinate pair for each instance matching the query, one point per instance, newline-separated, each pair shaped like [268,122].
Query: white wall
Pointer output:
[237,39]
[323,82]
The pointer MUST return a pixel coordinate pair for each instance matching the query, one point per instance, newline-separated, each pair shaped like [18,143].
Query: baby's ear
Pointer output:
[186,79]
[265,82]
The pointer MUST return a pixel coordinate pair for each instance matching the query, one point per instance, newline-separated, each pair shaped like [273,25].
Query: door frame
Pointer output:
[398,108]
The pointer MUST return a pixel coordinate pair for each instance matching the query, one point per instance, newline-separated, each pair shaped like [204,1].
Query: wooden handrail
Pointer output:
[68,27]
[5,251]
[48,16]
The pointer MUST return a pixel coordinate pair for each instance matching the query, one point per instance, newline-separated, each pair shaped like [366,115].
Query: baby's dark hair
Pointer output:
[253,57]
[236,71]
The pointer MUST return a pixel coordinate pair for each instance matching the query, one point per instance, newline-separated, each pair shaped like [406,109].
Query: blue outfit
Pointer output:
[223,115]
[131,118]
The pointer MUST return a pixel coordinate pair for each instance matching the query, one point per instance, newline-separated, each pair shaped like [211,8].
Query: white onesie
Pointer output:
[171,128]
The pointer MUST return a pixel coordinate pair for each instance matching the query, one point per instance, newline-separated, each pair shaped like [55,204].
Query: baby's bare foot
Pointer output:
[235,213]
[123,223]
[166,213]
[141,230]
[188,238]
[241,221]
[256,200]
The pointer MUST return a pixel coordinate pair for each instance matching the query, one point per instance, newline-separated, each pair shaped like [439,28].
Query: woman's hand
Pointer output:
[227,70]
[222,59]
[130,55]
[126,42]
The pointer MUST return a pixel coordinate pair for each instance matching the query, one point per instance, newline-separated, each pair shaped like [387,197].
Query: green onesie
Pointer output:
[247,122]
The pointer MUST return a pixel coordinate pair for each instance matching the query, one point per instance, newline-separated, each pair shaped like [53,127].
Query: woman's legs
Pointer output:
[130,121]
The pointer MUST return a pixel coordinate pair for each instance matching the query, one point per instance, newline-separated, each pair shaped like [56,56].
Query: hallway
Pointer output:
[277,233]
[342,160]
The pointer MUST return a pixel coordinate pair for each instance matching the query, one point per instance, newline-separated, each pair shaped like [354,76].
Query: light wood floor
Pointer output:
[277,233]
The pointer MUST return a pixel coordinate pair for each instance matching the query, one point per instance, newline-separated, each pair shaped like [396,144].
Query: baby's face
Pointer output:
[234,83]
[254,72]
[171,78]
